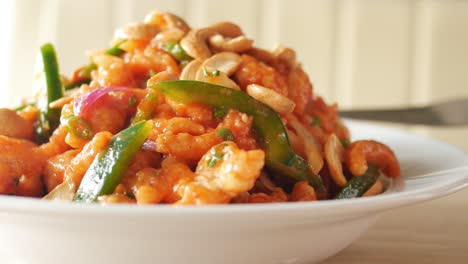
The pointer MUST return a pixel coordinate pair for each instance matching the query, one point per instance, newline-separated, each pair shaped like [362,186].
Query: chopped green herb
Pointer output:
[16,181]
[132,100]
[116,50]
[316,121]
[220,112]
[225,134]
[345,142]
[216,157]
[176,51]
[22,107]
[131,195]
[206,73]
[152,73]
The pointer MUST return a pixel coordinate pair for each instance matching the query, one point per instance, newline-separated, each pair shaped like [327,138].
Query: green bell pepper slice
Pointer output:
[358,185]
[110,165]
[280,157]
[48,119]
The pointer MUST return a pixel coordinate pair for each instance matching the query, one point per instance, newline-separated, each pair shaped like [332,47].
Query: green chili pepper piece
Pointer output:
[176,51]
[48,119]
[279,155]
[110,165]
[358,185]
[145,109]
[78,127]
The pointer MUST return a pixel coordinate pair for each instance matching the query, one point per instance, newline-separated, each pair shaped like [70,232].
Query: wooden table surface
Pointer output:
[430,232]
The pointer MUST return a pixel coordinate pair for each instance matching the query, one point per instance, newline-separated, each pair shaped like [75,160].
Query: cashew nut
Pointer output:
[166,21]
[227,62]
[169,35]
[262,55]
[162,76]
[214,76]
[190,70]
[278,102]
[195,43]
[238,44]
[311,146]
[137,31]
[227,29]
[375,189]
[334,155]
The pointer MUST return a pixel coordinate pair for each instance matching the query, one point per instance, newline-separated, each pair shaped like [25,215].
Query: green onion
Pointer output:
[176,51]
[116,50]
[225,134]
[316,121]
[132,100]
[216,157]
[220,112]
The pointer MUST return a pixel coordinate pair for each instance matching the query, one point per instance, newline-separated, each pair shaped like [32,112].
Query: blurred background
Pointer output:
[359,53]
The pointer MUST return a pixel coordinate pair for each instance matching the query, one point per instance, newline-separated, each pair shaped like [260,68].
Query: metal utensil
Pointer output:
[449,113]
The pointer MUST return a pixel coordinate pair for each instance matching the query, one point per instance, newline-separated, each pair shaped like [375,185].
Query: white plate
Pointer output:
[40,232]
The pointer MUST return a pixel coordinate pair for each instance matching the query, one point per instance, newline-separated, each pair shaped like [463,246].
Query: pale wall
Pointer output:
[358,52]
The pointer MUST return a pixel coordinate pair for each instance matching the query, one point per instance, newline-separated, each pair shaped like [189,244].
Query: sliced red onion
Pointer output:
[83,103]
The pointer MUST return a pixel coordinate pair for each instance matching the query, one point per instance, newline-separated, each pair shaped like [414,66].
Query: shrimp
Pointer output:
[79,165]
[253,71]
[240,125]
[197,112]
[300,89]
[142,160]
[56,144]
[222,173]
[185,146]
[302,191]
[111,71]
[363,152]
[13,125]
[141,62]
[55,168]
[20,168]
[327,114]
[154,186]
[277,196]
[177,125]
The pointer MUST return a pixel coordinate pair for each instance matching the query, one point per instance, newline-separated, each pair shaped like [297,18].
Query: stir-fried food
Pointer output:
[178,115]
